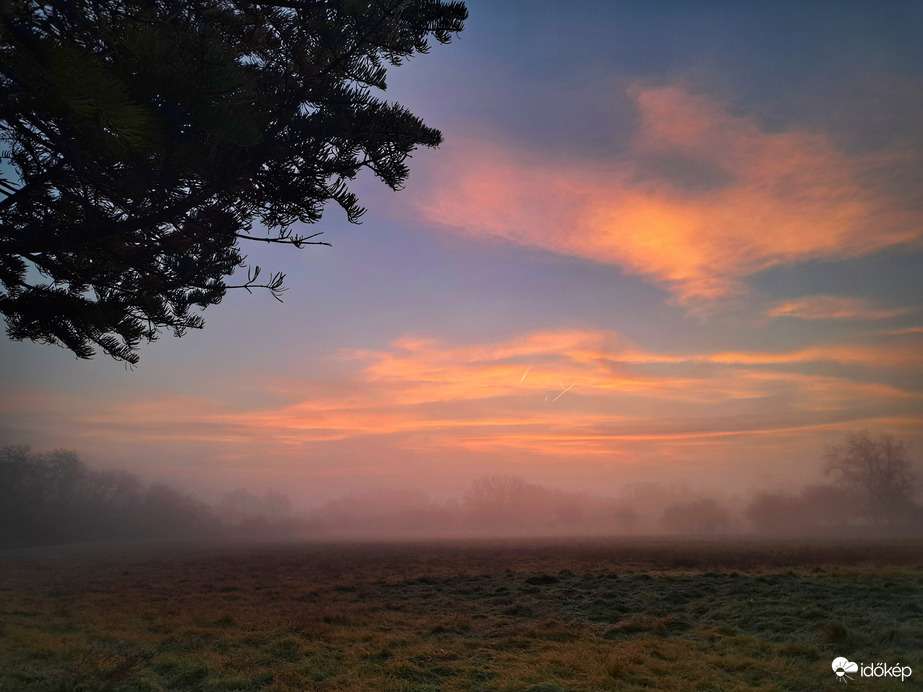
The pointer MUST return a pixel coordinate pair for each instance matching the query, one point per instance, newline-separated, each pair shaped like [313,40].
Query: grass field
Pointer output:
[528,615]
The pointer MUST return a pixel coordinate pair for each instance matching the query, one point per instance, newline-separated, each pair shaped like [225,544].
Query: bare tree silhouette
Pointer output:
[877,468]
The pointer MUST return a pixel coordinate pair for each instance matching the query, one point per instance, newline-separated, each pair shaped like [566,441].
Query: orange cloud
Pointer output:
[628,443]
[561,394]
[572,392]
[906,358]
[704,199]
[832,308]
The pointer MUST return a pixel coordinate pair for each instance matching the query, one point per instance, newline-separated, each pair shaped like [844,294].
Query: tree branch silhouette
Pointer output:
[148,139]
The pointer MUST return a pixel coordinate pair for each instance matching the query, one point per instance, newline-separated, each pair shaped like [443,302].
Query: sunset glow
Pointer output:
[673,257]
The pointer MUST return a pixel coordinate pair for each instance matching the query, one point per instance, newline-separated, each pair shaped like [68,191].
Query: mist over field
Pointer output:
[55,497]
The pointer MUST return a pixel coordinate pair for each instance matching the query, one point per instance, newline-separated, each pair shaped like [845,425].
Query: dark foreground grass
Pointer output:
[537,616]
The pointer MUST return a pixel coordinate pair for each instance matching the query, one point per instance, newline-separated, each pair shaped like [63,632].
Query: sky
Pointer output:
[662,241]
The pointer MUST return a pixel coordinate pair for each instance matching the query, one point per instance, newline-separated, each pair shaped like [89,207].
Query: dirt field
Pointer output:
[529,615]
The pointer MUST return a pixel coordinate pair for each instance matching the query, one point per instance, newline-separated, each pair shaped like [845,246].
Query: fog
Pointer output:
[55,497]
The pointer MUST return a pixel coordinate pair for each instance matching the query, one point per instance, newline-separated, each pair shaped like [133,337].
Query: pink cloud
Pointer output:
[780,198]
[570,392]
[906,332]
[621,400]
[833,308]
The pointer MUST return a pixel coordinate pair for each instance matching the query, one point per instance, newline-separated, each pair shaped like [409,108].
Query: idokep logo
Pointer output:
[843,666]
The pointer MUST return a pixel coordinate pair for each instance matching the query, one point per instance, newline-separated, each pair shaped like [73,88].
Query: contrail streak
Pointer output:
[562,393]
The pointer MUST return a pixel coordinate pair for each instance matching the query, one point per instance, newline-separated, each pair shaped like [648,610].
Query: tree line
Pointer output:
[872,488]
[54,497]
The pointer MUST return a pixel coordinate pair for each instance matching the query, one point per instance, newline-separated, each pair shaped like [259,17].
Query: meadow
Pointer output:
[527,615]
